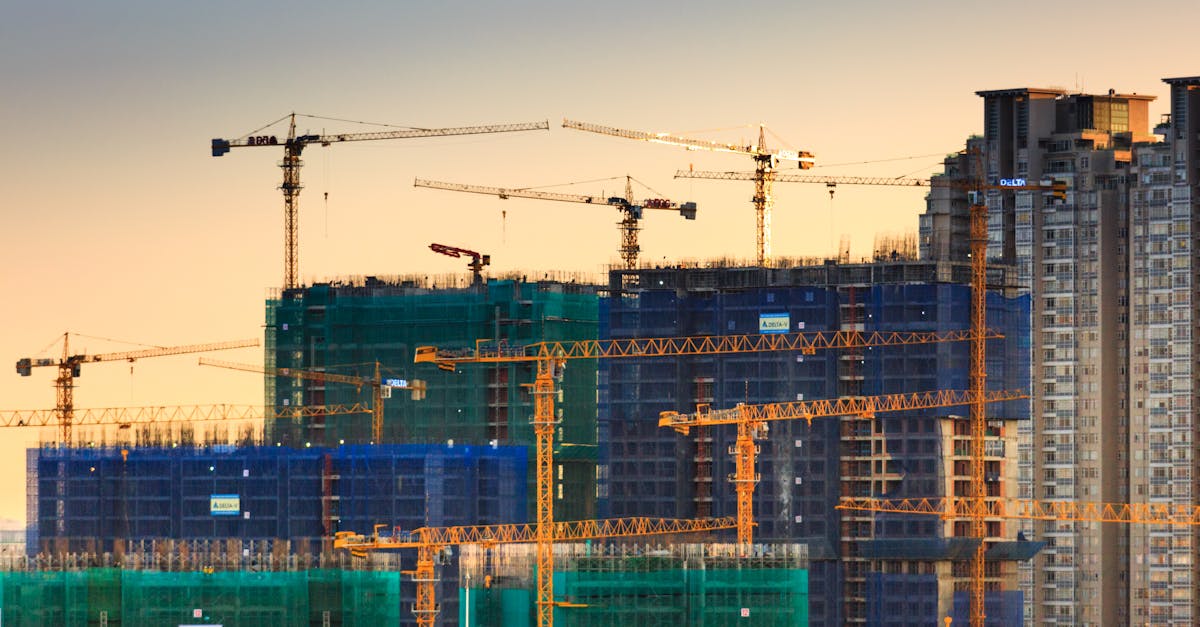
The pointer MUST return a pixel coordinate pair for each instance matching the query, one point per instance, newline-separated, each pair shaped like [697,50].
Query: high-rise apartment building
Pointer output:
[1162,317]
[1113,320]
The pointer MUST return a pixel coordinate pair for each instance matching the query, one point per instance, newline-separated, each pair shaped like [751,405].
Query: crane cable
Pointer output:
[834,165]
[318,117]
[109,339]
[601,180]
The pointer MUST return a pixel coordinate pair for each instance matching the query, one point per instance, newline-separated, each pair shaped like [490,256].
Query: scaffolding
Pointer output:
[111,596]
[346,326]
[101,499]
[640,585]
[805,470]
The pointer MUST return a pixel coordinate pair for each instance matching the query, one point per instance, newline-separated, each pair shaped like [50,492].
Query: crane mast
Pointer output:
[293,146]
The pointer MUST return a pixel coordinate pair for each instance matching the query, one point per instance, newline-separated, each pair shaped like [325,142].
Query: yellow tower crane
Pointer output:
[551,356]
[428,541]
[294,144]
[631,210]
[765,161]
[381,388]
[751,421]
[975,187]
[126,417]
[69,368]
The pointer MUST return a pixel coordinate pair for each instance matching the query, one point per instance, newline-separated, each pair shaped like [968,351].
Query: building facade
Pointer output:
[347,326]
[1162,360]
[101,499]
[1111,274]
[804,470]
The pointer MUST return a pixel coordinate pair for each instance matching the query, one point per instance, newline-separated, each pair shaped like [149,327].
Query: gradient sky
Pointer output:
[118,223]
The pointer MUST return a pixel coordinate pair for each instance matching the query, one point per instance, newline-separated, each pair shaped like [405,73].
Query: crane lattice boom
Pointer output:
[170,413]
[632,210]
[1029,509]
[488,351]
[862,406]
[694,144]
[563,531]
[25,364]
[1048,185]
[222,146]
[69,368]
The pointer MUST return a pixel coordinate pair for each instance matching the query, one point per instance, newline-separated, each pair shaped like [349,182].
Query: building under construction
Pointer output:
[97,500]
[635,585]
[87,596]
[611,457]
[865,567]
[347,326]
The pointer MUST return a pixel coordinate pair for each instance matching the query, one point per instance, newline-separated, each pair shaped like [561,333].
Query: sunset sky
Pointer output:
[117,222]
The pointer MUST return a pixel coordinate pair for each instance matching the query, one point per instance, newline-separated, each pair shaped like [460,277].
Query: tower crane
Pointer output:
[765,161]
[69,368]
[630,209]
[478,260]
[294,144]
[125,417]
[550,357]
[381,388]
[976,187]
[428,541]
[751,421]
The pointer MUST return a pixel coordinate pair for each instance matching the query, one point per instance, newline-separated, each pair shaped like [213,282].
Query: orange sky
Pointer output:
[117,223]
